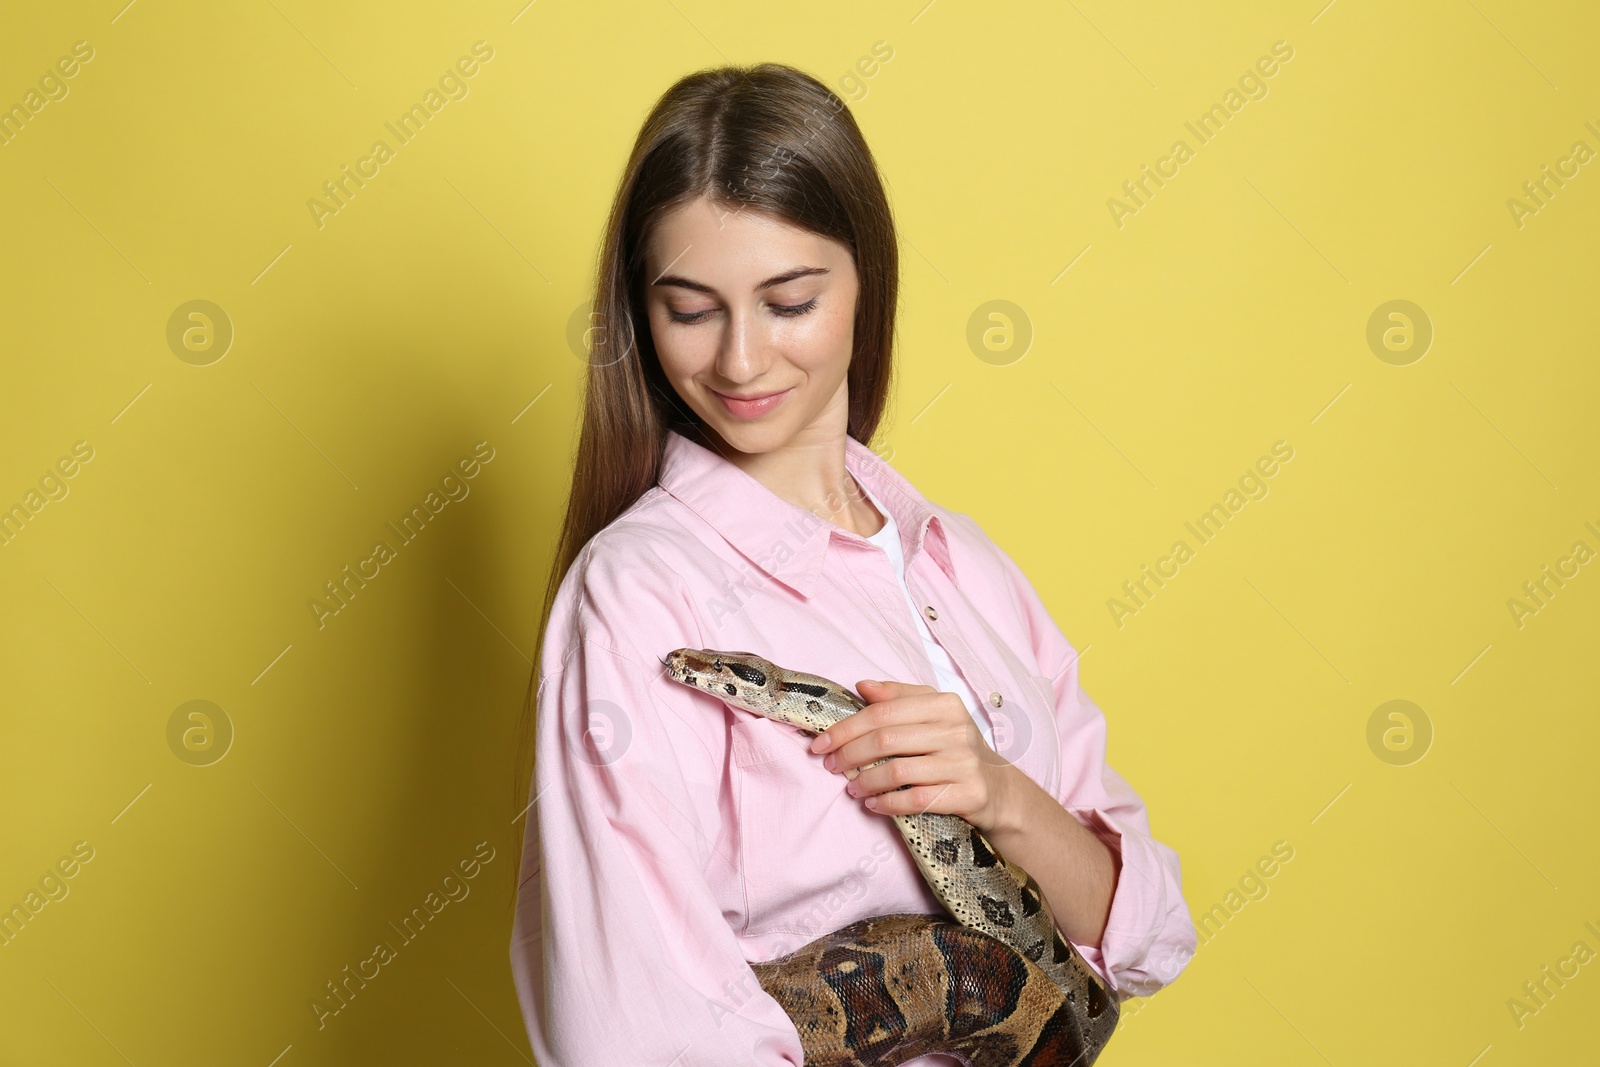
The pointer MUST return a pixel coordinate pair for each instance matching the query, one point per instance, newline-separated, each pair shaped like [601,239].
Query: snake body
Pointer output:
[998,986]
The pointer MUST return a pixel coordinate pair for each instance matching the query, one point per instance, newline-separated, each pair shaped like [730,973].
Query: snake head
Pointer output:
[742,679]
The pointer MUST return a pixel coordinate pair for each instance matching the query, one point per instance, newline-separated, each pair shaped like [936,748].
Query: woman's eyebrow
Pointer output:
[777,279]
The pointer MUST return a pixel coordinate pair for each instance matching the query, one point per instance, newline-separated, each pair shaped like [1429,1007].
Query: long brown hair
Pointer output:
[766,138]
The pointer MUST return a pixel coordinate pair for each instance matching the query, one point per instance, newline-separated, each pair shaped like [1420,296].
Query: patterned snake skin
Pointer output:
[998,987]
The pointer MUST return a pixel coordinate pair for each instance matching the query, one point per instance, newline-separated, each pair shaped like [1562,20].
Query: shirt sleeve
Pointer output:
[620,951]
[1149,937]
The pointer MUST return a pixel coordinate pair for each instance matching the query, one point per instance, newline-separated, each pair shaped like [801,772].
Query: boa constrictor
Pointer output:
[998,987]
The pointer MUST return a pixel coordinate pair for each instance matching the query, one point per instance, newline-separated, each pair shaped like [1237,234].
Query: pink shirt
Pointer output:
[672,838]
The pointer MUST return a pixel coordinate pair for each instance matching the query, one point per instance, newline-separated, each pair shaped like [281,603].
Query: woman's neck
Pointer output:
[809,472]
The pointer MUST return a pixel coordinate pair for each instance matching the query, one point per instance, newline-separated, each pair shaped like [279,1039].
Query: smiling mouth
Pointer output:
[750,407]
[753,396]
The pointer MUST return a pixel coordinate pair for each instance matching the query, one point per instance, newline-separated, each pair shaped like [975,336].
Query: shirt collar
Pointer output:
[783,540]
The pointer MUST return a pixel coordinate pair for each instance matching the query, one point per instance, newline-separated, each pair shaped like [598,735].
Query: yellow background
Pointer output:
[372,353]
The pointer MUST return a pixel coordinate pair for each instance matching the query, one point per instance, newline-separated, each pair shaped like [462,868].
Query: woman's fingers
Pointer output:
[898,773]
[896,739]
[886,702]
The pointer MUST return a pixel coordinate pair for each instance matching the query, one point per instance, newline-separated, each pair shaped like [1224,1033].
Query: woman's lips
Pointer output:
[752,408]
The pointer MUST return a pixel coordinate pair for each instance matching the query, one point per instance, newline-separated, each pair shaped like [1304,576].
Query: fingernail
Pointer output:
[820,744]
[829,762]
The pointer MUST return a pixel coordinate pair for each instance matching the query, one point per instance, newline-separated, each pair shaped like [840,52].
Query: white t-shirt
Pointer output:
[948,680]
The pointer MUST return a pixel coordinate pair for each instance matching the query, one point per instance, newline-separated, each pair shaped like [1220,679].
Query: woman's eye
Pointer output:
[784,310]
[790,310]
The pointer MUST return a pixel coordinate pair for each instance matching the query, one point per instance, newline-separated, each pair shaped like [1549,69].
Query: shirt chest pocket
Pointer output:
[799,832]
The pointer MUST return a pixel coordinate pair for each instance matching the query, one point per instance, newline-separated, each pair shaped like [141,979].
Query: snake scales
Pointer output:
[998,987]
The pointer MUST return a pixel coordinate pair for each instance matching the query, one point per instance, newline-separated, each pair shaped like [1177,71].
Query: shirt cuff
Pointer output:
[1138,912]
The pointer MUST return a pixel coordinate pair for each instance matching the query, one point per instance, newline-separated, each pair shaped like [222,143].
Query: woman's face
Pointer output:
[743,307]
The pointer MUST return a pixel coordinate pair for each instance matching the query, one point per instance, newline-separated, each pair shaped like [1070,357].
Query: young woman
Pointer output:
[725,497]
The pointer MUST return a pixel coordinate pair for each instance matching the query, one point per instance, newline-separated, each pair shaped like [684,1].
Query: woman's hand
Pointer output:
[939,752]
[943,763]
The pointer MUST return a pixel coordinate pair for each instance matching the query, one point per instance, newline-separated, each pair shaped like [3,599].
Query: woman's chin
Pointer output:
[751,436]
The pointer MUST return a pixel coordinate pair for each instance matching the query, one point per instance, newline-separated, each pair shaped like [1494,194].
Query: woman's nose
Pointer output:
[745,352]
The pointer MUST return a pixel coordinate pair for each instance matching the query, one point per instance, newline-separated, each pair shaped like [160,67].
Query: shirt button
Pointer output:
[995,698]
[929,612]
